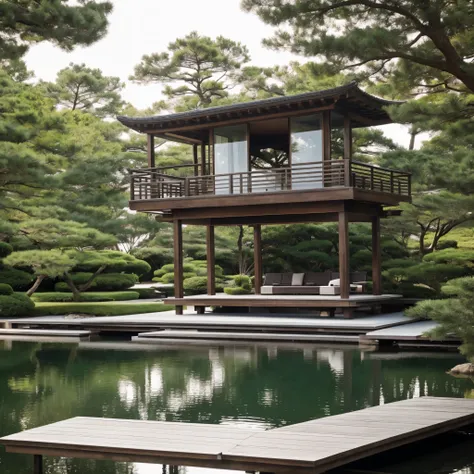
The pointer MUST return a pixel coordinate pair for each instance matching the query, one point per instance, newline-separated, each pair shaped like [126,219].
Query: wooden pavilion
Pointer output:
[274,161]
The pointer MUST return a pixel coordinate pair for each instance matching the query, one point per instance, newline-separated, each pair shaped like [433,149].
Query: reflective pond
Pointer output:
[256,386]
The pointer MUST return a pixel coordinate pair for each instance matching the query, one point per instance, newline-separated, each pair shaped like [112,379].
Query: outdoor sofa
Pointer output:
[310,283]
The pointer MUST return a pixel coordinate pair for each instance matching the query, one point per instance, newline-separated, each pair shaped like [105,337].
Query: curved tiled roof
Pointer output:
[365,104]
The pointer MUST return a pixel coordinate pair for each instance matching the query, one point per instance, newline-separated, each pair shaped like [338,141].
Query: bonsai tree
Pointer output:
[61,263]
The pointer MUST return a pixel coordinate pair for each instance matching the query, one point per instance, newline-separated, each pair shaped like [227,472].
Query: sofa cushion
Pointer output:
[295,290]
[272,279]
[297,279]
[267,290]
[286,279]
[316,278]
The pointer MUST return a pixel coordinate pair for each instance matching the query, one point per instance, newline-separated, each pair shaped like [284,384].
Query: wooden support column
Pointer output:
[37,464]
[211,261]
[257,255]
[203,159]
[376,257]
[344,254]
[178,261]
[195,160]
[326,132]
[150,148]
[347,138]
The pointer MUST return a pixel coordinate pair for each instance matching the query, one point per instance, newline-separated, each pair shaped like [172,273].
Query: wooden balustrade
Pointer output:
[152,183]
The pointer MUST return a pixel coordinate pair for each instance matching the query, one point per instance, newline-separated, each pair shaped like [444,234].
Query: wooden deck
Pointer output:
[45,335]
[169,336]
[414,334]
[312,447]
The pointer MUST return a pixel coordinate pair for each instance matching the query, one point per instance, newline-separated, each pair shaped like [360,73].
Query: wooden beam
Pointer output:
[150,147]
[178,262]
[211,260]
[347,138]
[182,138]
[37,464]
[257,256]
[376,257]
[344,254]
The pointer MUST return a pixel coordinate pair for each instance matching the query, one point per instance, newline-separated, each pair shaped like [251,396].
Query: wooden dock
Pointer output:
[412,334]
[44,335]
[311,447]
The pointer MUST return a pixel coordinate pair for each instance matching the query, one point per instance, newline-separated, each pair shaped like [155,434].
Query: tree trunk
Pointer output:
[88,284]
[413,134]
[36,284]
[76,294]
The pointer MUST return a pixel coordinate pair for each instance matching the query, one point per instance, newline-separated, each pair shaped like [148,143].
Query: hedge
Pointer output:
[236,290]
[5,249]
[17,279]
[5,289]
[88,297]
[146,293]
[198,285]
[16,304]
[98,309]
[103,282]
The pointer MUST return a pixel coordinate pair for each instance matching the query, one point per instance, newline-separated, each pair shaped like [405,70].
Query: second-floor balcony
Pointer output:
[158,184]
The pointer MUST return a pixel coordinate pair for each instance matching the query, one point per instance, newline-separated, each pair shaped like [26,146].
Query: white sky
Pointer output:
[139,27]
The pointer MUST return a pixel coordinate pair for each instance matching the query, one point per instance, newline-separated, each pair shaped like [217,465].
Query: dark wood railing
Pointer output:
[152,183]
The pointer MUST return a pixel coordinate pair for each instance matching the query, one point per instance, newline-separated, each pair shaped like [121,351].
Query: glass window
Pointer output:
[230,156]
[306,147]
[337,136]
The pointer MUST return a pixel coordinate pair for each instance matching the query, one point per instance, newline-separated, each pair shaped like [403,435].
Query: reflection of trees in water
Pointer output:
[270,387]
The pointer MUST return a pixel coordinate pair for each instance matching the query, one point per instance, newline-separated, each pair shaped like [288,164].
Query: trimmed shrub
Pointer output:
[167,278]
[17,279]
[98,309]
[236,290]
[103,282]
[16,304]
[411,290]
[240,285]
[120,262]
[198,285]
[146,293]
[87,297]
[5,249]
[115,281]
[447,244]
[451,256]
[399,263]
[5,289]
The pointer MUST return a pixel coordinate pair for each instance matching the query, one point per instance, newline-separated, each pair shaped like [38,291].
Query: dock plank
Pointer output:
[313,447]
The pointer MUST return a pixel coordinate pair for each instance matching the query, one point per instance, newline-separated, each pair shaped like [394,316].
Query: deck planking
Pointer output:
[313,447]
[182,335]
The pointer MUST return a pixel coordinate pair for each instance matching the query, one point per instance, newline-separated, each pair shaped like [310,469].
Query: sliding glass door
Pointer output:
[231,156]
[306,147]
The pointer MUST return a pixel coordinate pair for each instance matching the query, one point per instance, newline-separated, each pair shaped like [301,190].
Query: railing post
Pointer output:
[231,184]
[391,182]
[186,186]
[347,173]
[371,178]
[132,187]
[409,184]
[249,181]
[241,183]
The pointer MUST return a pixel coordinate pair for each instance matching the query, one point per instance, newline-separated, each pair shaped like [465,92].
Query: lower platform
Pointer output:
[317,302]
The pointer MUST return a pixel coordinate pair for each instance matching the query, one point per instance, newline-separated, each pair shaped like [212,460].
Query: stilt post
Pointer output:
[37,464]
[257,255]
[178,262]
[211,260]
[344,254]
[376,257]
